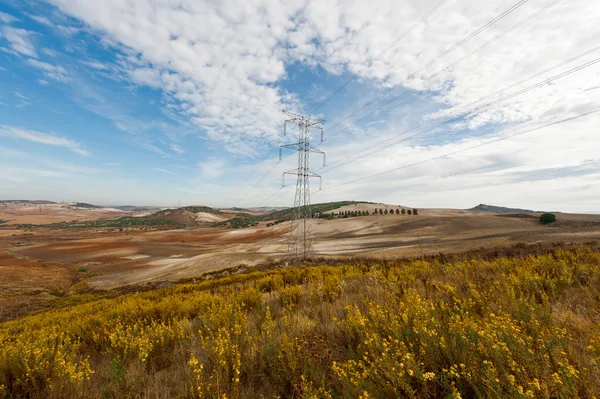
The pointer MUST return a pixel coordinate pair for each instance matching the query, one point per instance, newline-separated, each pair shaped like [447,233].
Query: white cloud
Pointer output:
[222,65]
[19,174]
[211,169]
[95,65]
[177,148]
[43,138]
[50,52]
[21,100]
[19,40]
[41,20]
[65,30]
[165,171]
[68,30]
[153,148]
[229,81]
[7,18]
[55,72]
[42,82]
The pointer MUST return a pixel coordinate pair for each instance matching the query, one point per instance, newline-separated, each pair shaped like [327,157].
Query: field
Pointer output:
[63,249]
[201,302]
[428,328]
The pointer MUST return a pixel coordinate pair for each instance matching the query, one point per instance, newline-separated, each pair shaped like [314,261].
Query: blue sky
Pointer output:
[150,103]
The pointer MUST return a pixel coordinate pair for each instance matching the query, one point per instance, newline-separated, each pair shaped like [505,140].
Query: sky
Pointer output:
[427,103]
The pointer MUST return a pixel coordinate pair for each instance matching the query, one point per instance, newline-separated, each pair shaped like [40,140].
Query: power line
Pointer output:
[365,24]
[391,45]
[441,55]
[467,149]
[249,177]
[271,196]
[378,56]
[498,36]
[468,113]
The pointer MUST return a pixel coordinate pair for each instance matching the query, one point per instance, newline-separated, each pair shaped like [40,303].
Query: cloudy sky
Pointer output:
[428,103]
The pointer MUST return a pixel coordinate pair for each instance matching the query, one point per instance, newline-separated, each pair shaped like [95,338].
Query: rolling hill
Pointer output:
[499,209]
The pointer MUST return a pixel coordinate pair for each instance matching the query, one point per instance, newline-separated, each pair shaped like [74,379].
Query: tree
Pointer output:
[397,211]
[547,218]
[415,212]
[386,212]
[409,212]
[403,211]
[375,212]
[381,211]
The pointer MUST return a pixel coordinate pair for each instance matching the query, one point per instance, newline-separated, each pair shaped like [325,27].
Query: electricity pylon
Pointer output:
[300,241]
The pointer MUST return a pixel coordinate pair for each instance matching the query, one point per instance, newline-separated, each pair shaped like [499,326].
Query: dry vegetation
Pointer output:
[519,326]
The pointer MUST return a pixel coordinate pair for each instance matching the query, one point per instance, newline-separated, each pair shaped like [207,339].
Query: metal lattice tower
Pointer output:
[300,241]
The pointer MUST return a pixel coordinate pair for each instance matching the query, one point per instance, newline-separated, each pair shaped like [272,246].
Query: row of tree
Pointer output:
[342,214]
[349,214]
[398,211]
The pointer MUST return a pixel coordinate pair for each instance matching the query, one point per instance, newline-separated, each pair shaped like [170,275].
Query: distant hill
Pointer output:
[35,202]
[499,209]
[236,209]
[192,209]
[85,205]
[133,208]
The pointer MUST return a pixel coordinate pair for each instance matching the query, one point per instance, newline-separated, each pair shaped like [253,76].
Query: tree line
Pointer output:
[349,214]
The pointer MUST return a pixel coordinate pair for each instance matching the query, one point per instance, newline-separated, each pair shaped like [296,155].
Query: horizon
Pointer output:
[283,206]
[141,102]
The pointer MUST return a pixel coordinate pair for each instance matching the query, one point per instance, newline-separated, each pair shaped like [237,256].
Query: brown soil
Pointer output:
[37,265]
[29,213]
[27,284]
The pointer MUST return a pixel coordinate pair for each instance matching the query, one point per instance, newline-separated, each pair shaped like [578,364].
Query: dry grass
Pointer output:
[491,326]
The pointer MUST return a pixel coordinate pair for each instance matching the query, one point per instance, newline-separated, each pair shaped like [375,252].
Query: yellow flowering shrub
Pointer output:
[520,327]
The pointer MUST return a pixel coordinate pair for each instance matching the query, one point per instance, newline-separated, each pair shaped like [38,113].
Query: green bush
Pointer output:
[547,218]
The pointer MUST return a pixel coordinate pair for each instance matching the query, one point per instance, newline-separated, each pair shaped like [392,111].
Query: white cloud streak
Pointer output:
[7,18]
[43,138]
[165,171]
[19,40]
[55,72]
[177,148]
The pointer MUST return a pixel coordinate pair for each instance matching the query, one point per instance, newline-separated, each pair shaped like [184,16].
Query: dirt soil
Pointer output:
[38,264]
[28,213]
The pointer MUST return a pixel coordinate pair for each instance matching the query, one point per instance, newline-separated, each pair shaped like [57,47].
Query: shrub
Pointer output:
[290,295]
[415,212]
[404,211]
[409,212]
[370,329]
[547,218]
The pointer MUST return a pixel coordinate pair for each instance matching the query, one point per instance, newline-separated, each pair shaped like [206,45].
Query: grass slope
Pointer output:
[505,327]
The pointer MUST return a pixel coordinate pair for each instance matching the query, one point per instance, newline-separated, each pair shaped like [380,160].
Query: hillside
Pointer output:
[421,328]
[288,213]
[134,208]
[32,202]
[499,209]
[85,205]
